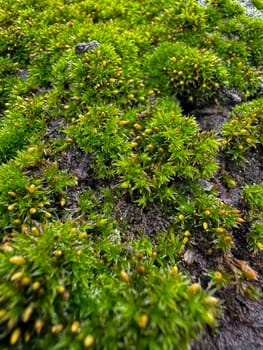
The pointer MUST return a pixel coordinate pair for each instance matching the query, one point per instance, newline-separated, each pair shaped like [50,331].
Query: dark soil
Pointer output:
[243,333]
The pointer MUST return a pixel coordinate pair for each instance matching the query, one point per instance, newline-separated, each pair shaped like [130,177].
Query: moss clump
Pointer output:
[119,310]
[244,130]
[148,153]
[252,195]
[184,71]
[161,148]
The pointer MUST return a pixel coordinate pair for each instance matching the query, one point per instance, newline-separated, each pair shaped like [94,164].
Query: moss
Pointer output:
[252,195]
[185,71]
[244,130]
[258,4]
[79,265]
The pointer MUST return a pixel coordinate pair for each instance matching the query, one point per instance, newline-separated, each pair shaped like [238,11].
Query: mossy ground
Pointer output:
[131,176]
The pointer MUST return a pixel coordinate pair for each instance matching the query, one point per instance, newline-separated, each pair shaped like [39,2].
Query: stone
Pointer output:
[23,74]
[85,47]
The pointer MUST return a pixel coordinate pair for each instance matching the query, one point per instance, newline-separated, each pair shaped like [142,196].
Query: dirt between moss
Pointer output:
[241,324]
[242,333]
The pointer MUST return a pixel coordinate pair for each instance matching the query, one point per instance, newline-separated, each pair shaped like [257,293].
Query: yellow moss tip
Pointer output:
[143,320]
[75,326]
[17,260]
[36,285]
[181,217]
[11,207]
[205,225]
[194,288]
[175,270]
[259,245]
[58,253]
[209,319]
[3,312]
[32,210]
[17,276]
[15,336]
[12,194]
[38,326]
[218,276]
[185,240]
[60,289]
[88,341]
[25,281]
[211,300]
[35,231]
[124,276]
[240,220]
[220,230]
[62,202]
[31,188]
[27,313]
[56,328]
[26,337]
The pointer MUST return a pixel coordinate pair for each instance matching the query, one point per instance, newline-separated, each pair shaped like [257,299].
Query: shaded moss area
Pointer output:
[131,173]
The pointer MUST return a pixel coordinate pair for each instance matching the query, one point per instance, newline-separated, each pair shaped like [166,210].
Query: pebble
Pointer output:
[88,46]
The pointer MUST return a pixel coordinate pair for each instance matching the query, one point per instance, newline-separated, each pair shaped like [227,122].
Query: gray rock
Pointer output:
[23,74]
[251,10]
[230,96]
[206,185]
[85,47]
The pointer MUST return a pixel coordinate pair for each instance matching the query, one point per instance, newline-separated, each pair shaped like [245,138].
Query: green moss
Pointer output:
[252,195]
[119,309]
[258,4]
[161,148]
[186,72]
[244,130]
[79,266]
